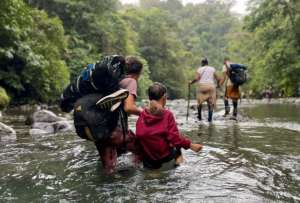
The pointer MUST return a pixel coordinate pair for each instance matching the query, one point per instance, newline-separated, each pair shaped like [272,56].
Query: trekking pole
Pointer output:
[188,104]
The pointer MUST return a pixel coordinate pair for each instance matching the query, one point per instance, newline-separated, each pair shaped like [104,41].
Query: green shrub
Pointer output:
[4,98]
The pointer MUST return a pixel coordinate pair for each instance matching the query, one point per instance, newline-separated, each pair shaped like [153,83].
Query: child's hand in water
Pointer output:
[196,147]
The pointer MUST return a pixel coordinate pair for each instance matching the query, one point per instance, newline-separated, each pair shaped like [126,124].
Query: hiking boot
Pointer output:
[199,112]
[234,115]
[210,115]
[113,101]
[226,113]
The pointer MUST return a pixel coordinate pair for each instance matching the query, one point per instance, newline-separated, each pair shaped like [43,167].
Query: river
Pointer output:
[256,159]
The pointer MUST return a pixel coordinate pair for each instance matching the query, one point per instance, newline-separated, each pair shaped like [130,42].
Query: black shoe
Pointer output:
[234,114]
[226,114]
[210,116]
[199,112]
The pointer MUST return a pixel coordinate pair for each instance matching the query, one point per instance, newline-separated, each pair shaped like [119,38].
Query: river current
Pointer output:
[256,159]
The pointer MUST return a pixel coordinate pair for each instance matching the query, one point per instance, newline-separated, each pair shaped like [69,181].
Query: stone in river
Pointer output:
[6,130]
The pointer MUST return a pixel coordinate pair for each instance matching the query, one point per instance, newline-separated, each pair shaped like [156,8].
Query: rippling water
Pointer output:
[254,160]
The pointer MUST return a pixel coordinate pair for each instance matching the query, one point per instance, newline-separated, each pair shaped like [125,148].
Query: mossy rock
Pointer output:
[4,99]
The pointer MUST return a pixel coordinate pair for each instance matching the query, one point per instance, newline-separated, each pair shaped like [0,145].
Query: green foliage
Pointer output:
[4,99]
[270,45]
[94,28]
[144,81]
[204,29]
[171,38]
[158,45]
[31,46]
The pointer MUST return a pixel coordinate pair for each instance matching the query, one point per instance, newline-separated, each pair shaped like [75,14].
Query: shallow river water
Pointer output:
[256,159]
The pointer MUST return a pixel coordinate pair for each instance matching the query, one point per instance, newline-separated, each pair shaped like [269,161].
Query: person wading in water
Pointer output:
[231,91]
[115,146]
[157,132]
[206,90]
[106,118]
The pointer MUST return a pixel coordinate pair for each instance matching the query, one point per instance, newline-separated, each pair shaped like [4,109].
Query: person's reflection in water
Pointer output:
[207,133]
[236,133]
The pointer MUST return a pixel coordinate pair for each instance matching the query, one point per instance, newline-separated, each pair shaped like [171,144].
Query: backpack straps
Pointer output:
[77,84]
[124,127]
[91,78]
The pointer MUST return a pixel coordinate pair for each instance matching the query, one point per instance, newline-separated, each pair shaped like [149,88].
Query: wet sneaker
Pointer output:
[113,101]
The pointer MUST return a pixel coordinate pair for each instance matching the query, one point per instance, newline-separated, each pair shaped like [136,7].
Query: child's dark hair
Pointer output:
[133,65]
[156,91]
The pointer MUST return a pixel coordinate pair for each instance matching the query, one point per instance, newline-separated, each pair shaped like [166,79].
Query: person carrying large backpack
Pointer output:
[234,76]
[102,97]
[118,143]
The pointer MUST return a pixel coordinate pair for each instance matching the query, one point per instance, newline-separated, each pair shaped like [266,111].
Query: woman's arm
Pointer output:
[217,77]
[197,77]
[130,106]
[223,78]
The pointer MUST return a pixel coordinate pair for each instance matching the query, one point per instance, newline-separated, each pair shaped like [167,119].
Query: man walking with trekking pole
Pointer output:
[206,90]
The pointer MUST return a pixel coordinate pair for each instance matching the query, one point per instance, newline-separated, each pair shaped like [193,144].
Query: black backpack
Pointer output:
[99,122]
[102,77]
[238,74]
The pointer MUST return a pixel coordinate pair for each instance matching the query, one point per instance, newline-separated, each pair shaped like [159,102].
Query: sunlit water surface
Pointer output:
[256,159]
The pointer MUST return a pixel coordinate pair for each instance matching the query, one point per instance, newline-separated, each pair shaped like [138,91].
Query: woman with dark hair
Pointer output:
[119,140]
[206,90]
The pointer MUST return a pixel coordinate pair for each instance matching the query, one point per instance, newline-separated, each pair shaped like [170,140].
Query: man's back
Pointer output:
[206,74]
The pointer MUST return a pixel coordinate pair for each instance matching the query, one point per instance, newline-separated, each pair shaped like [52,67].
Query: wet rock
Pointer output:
[43,126]
[47,122]
[37,132]
[6,130]
[46,116]
[54,127]
[63,126]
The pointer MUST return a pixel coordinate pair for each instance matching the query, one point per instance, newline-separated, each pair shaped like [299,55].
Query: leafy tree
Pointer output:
[4,99]
[30,54]
[158,45]
[94,28]
[273,25]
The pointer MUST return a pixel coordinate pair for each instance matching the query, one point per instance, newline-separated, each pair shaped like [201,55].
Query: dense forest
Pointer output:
[45,43]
